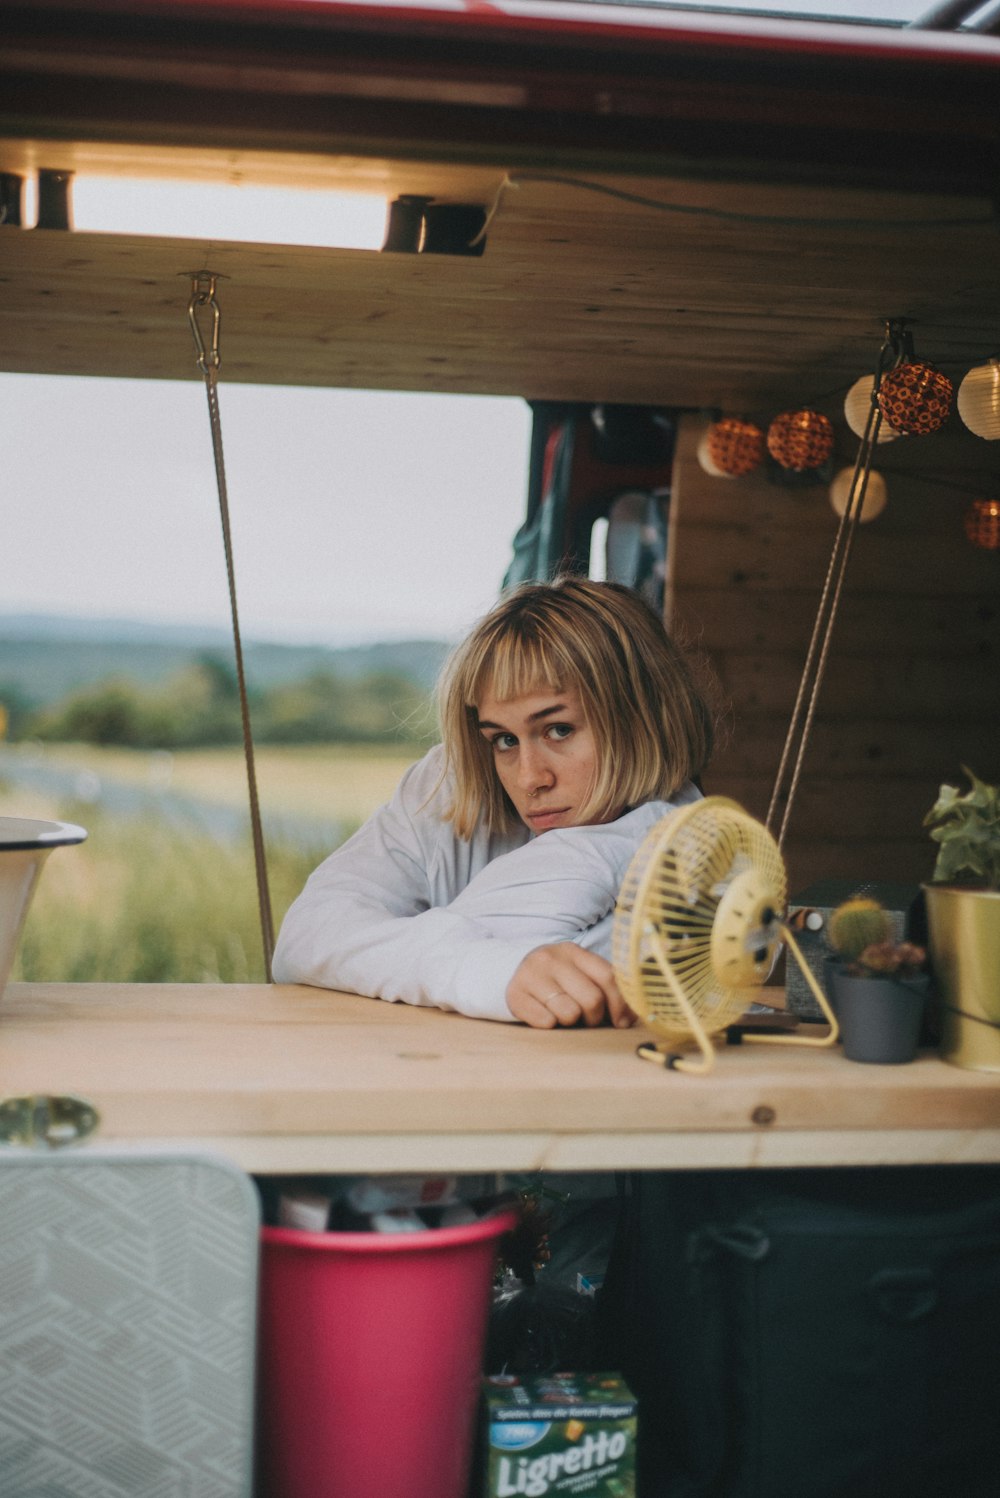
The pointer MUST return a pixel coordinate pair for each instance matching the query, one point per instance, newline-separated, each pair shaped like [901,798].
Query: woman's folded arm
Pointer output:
[347,931]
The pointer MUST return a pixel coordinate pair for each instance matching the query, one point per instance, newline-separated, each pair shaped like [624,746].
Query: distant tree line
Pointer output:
[200,707]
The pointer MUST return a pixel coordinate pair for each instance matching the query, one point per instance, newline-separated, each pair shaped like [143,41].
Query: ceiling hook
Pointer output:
[203,283]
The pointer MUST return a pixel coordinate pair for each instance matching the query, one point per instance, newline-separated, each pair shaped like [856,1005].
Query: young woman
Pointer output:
[570,725]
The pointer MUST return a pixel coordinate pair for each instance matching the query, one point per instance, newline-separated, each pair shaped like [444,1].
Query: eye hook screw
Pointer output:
[203,283]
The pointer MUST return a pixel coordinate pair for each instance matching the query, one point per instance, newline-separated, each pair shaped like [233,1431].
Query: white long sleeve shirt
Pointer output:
[407,911]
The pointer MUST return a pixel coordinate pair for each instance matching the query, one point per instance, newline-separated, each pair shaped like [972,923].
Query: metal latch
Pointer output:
[41,1120]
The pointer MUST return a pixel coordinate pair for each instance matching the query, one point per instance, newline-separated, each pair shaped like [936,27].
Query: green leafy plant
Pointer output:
[967,829]
[889,959]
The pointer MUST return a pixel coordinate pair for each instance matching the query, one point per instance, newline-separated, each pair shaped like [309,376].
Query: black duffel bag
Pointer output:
[811,1333]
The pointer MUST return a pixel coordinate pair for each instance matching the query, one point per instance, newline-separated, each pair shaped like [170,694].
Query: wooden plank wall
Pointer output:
[912,687]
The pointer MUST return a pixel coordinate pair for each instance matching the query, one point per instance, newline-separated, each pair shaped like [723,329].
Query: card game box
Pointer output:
[559,1434]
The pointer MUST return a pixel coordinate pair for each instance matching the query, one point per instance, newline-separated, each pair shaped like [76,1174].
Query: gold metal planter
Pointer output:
[964,938]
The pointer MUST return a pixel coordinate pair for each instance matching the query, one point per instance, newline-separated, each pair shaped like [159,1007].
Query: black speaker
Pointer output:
[809,914]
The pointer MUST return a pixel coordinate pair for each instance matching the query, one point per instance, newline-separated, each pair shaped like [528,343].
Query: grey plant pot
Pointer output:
[832,967]
[880,1018]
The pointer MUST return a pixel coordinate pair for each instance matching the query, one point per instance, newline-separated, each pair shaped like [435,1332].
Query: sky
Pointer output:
[355,515]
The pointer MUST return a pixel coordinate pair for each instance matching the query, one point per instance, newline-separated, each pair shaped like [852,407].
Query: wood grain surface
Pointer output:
[287,1077]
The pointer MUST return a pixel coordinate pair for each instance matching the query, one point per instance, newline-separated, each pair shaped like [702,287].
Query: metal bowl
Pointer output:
[25,843]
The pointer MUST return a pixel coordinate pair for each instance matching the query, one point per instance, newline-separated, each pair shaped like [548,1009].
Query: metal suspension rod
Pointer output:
[804,710]
[203,300]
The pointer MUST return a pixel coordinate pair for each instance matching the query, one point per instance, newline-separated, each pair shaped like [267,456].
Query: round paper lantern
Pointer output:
[800,439]
[979,400]
[982,523]
[915,398]
[875,494]
[732,447]
[705,461]
[857,404]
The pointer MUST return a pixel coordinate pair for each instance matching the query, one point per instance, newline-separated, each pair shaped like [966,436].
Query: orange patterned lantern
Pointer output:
[982,523]
[915,398]
[734,447]
[800,439]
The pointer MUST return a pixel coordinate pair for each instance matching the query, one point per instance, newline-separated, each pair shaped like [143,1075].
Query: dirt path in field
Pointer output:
[311,797]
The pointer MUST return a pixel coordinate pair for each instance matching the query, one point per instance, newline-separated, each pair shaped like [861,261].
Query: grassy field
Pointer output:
[335,782]
[140,901]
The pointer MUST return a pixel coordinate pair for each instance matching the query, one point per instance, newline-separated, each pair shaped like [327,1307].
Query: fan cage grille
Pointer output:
[673,887]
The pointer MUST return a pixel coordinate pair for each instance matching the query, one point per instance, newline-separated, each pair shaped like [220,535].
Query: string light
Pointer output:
[982,524]
[875,498]
[858,403]
[731,448]
[800,440]
[915,398]
[906,397]
[979,400]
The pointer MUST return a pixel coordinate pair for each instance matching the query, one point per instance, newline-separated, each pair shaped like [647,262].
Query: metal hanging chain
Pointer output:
[205,304]
[892,350]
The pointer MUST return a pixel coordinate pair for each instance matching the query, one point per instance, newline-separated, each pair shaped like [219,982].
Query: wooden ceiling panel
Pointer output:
[705,213]
[583,293]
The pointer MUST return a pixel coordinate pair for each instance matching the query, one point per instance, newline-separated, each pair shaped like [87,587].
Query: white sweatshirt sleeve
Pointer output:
[560,884]
[563,885]
[363,921]
[373,918]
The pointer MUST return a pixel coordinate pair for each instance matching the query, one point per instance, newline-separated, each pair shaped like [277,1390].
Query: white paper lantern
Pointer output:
[876,494]
[705,461]
[857,405]
[979,400]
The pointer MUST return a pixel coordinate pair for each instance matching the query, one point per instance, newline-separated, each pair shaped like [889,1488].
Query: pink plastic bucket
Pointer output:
[371,1349]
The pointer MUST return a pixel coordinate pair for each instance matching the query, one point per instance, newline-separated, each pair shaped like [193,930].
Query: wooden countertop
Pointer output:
[288,1078]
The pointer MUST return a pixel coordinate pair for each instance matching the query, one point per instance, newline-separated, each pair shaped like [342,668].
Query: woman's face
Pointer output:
[545,755]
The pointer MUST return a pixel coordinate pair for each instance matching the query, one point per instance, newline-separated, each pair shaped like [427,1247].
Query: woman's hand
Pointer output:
[564,984]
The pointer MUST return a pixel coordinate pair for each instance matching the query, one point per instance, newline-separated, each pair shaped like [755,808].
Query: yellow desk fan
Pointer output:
[696,928]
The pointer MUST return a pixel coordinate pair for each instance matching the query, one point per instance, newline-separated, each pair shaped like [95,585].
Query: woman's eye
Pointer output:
[560,730]
[503,742]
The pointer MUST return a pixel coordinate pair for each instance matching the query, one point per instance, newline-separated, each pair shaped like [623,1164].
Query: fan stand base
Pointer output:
[798,1037]
[674,1060]
[698,1065]
[762,1027]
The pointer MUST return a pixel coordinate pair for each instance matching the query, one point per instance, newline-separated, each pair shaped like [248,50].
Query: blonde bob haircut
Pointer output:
[650,722]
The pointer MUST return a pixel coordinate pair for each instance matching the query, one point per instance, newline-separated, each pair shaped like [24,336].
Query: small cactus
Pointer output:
[889,959]
[860,922]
